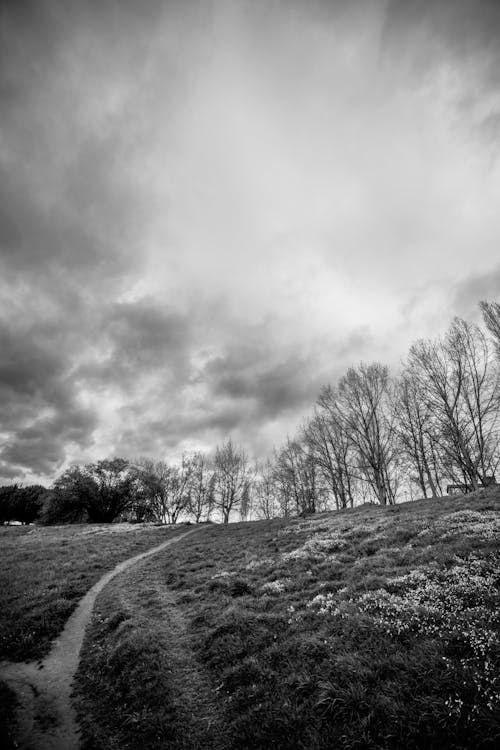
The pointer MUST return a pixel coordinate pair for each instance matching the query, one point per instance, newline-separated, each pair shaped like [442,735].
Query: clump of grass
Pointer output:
[139,665]
[132,686]
[231,586]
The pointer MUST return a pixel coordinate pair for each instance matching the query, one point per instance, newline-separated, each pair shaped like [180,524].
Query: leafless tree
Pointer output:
[232,477]
[246,503]
[201,488]
[331,447]
[491,317]
[364,402]
[283,485]
[296,476]
[460,386]
[166,487]
[265,490]
[417,432]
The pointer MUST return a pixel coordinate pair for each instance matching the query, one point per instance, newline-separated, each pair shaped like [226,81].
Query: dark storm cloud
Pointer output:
[243,388]
[44,25]
[10,230]
[39,408]
[34,244]
[174,426]
[89,231]
[66,140]
[137,340]
[465,33]
[459,39]
[70,224]
[41,448]
[26,369]
[464,25]
[277,381]
[143,350]
[248,373]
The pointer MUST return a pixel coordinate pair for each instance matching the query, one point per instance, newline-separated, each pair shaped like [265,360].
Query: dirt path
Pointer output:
[45,719]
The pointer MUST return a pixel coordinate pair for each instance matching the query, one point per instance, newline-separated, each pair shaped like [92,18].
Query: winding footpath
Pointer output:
[45,718]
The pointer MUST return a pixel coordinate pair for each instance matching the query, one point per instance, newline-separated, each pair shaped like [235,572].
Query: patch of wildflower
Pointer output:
[293,615]
[329,526]
[374,531]
[311,524]
[223,574]
[253,564]
[112,529]
[459,606]
[318,547]
[484,526]
[276,587]
[454,704]
[326,604]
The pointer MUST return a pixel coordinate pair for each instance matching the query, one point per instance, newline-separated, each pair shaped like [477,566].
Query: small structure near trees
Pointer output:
[463,489]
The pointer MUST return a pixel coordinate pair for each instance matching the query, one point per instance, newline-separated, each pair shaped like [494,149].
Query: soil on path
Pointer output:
[45,718]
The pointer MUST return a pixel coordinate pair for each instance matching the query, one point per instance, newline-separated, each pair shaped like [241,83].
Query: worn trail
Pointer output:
[45,718]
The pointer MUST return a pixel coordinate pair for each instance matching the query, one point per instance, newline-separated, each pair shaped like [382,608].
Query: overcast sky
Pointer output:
[209,209]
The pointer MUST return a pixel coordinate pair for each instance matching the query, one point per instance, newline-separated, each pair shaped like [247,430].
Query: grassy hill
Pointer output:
[43,574]
[369,628]
[44,571]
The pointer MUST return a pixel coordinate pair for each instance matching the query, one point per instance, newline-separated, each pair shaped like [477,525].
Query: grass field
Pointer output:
[44,571]
[371,628]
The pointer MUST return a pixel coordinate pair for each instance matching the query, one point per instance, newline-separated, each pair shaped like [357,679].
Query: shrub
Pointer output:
[21,504]
[97,493]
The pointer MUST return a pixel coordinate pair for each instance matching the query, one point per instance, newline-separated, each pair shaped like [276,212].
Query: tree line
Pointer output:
[197,489]
[371,437]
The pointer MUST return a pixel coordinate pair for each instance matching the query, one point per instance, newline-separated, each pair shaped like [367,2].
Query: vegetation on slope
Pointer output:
[45,571]
[369,628]
[8,705]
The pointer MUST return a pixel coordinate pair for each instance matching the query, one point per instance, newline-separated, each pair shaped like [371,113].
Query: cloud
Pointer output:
[457,41]
[207,210]
[247,373]
[473,289]
[465,27]
[40,411]
[41,448]
[137,340]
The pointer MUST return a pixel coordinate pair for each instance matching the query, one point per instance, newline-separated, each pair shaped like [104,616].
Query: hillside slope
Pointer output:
[369,628]
[44,572]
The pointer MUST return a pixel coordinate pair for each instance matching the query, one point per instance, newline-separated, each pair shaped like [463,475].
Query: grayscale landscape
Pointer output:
[249,374]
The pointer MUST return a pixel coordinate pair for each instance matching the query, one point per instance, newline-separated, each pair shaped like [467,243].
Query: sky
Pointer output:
[209,209]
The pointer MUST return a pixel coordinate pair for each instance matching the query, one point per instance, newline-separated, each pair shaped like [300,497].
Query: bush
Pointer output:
[21,504]
[7,501]
[59,507]
[97,493]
